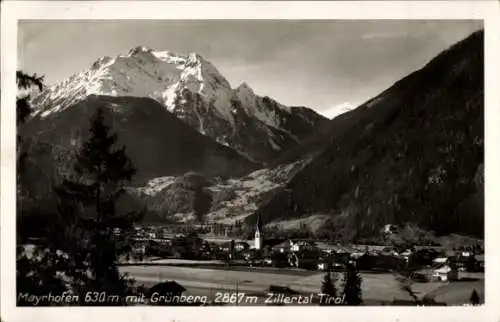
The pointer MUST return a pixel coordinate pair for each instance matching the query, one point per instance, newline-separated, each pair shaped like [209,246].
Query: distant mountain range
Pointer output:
[414,153]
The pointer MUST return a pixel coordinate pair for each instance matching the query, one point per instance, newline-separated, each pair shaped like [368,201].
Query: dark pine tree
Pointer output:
[96,233]
[328,289]
[352,287]
[474,298]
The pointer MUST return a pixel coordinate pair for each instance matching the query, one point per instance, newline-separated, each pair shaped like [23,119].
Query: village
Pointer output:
[183,259]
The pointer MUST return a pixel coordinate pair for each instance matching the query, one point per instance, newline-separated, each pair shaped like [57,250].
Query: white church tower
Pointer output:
[258,235]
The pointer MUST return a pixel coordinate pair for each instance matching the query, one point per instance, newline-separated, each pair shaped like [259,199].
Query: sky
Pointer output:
[329,66]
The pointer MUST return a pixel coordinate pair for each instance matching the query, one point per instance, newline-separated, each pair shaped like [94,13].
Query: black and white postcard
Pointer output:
[236,154]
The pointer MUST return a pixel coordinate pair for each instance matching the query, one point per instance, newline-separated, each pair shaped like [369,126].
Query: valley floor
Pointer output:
[377,288]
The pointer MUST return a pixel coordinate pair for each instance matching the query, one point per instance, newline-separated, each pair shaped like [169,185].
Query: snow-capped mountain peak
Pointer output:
[102,62]
[141,72]
[138,50]
[192,88]
[170,57]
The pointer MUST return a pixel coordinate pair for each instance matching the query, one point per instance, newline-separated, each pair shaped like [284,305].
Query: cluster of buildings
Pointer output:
[429,263]
[148,232]
[439,264]
[167,230]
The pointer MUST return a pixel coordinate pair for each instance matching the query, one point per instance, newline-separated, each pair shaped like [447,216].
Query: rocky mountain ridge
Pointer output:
[194,90]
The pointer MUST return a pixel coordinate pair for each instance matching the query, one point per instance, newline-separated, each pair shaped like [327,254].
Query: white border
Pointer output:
[13,11]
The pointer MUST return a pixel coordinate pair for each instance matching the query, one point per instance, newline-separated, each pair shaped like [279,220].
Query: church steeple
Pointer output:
[258,227]
[258,234]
